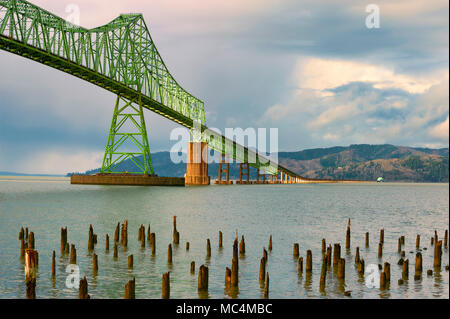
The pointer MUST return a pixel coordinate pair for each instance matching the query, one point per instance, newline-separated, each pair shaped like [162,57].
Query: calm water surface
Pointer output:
[291,213]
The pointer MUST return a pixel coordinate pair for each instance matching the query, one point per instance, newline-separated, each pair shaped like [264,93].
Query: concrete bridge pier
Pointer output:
[197,164]
[224,168]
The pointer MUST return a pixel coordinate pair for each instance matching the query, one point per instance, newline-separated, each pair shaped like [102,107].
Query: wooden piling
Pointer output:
[192,267]
[220,239]
[357,258]
[234,273]
[380,250]
[336,255]
[418,241]
[53,264]
[367,240]
[187,245]
[143,237]
[153,242]
[203,278]
[73,254]
[23,246]
[329,252]
[176,237]
[30,273]
[91,238]
[208,248]
[402,239]
[300,265]
[432,241]
[115,253]
[63,240]
[83,289]
[107,243]
[31,240]
[67,249]
[130,262]
[148,233]
[130,289]
[227,277]
[296,250]
[235,248]
[437,254]
[323,274]
[95,264]
[265,254]
[21,233]
[382,236]
[270,243]
[116,233]
[165,294]
[262,270]
[308,267]
[418,267]
[399,246]
[382,280]
[341,269]
[169,254]
[405,270]
[347,236]
[361,267]
[324,245]
[387,271]
[242,246]
[446,239]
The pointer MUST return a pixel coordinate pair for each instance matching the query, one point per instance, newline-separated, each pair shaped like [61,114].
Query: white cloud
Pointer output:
[440,131]
[321,74]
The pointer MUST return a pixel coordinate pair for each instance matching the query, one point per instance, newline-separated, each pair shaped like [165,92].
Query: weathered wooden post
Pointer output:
[187,245]
[130,289]
[208,248]
[130,262]
[143,237]
[270,243]
[296,250]
[116,233]
[31,240]
[446,239]
[192,267]
[73,254]
[323,274]
[405,270]
[63,240]
[361,268]
[380,250]
[382,280]
[30,273]
[402,239]
[220,239]
[107,243]
[347,237]
[153,241]
[367,239]
[419,267]
[203,278]
[324,245]
[336,255]
[95,264]
[418,241]
[115,253]
[165,286]
[227,277]
[169,254]
[387,271]
[23,246]
[83,289]
[382,236]
[437,254]
[91,238]
[357,256]
[399,246]
[53,265]
[300,265]
[262,270]
[308,261]
[341,269]
[329,252]
[234,272]
[242,246]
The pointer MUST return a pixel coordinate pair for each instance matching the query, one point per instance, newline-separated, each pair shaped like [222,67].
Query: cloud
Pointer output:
[357,109]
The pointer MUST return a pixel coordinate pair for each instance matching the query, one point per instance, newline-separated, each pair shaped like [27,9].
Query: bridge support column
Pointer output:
[244,171]
[224,167]
[197,164]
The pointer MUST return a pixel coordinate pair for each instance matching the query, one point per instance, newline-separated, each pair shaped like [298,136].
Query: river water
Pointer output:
[301,214]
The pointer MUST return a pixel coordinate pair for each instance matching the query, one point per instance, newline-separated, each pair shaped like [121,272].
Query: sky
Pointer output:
[312,69]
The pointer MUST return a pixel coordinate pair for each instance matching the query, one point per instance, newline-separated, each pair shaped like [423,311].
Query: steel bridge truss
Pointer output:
[126,114]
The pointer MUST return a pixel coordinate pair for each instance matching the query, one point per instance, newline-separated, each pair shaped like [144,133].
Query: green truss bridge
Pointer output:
[122,58]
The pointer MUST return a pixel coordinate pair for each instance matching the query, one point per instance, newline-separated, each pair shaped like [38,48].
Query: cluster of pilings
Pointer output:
[331,260]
